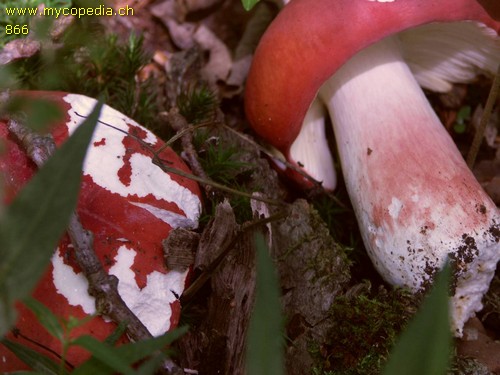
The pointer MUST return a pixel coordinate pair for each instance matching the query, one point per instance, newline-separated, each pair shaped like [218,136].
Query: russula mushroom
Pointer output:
[415,200]
[130,205]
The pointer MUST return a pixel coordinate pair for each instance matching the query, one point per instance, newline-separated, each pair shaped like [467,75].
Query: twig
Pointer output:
[180,124]
[102,286]
[181,133]
[39,148]
[488,109]
[159,162]
[317,185]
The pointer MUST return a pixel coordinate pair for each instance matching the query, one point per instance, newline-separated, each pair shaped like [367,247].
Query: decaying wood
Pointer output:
[216,346]
[213,239]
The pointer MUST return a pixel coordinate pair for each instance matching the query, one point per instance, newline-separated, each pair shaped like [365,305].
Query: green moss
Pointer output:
[365,327]
[197,104]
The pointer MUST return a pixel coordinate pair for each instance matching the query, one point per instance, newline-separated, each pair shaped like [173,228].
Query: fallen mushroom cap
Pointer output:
[415,199]
[130,205]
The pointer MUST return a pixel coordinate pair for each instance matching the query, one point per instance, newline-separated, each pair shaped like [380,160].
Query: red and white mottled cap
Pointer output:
[130,205]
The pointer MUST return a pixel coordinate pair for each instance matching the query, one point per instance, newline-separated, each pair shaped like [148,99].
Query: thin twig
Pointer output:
[181,133]
[159,162]
[180,124]
[488,109]
[317,185]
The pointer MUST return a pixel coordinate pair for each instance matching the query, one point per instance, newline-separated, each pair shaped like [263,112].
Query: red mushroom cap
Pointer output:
[308,42]
[130,205]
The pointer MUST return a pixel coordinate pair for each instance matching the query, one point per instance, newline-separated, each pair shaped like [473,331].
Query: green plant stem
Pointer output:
[478,137]
[157,161]
[180,133]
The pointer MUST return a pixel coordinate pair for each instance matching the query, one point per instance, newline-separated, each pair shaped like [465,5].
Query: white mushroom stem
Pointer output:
[414,197]
[311,150]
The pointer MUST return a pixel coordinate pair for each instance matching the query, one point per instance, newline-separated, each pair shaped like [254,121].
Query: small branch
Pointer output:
[181,133]
[488,109]
[180,124]
[102,286]
[159,162]
[39,148]
[317,185]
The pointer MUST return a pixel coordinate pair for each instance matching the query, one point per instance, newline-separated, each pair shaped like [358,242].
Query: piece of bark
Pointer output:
[217,345]
[214,240]
[179,249]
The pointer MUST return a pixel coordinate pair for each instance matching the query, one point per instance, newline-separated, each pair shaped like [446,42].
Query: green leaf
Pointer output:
[32,358]
[265,333]
[141,349]
[46,318]
[38,112]
[116,334]
[151,365]
[249,4]
[105,353]
[35,221]
[130,353]
[425,346]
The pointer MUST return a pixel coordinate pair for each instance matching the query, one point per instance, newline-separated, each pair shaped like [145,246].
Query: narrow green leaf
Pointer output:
[105,353]
[32,358]
[34,222]
[151,365]
[141,349]
[130,353]
[116,334]
[425,346]
[249,4]
[265,336]
[45,317]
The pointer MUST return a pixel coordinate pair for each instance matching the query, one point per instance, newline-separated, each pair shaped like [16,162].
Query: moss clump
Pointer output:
[364,329]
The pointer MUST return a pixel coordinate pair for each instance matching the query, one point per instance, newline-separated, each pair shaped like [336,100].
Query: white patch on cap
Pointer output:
[382,1]
[73,286]
[103,162]
[395,208]
[151,304]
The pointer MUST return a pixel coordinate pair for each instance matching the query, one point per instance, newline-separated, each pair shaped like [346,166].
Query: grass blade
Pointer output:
[425,346]
[265,336]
